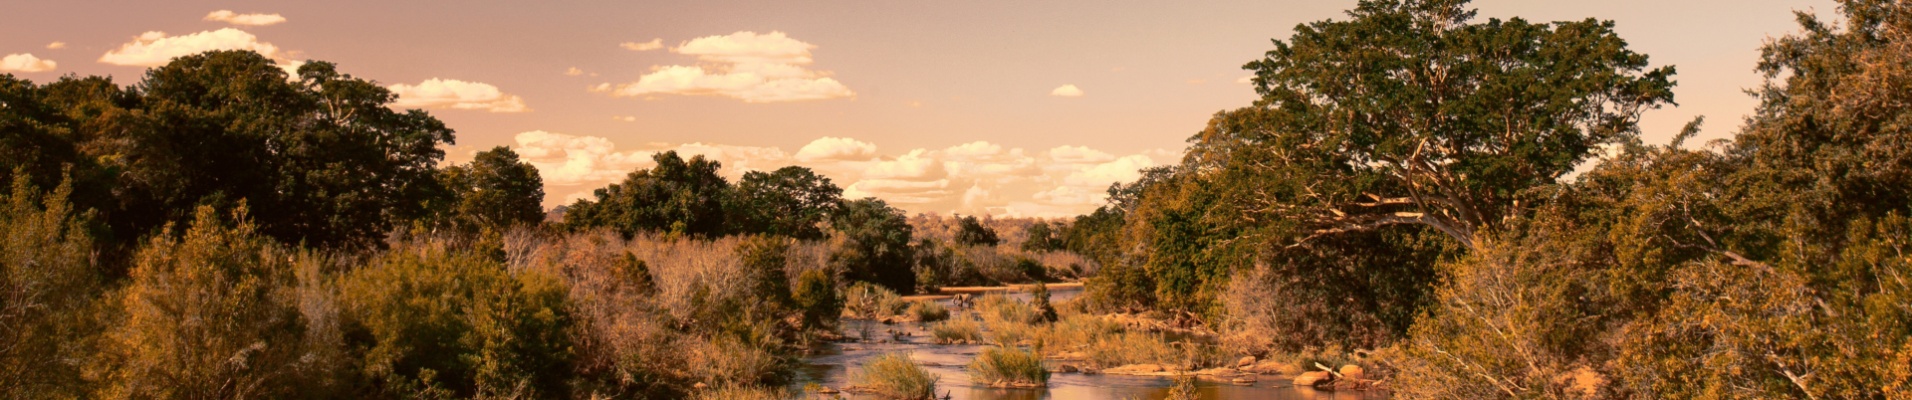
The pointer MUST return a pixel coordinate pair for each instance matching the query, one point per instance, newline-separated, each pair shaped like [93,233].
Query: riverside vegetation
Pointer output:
[1402,201]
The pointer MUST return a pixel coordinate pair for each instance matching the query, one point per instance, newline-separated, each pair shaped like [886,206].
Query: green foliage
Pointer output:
[495,191]
[1042,238]
[431,316]
[677,196]
[816,295]
[971,232]
[871,243]
[1039,300]
[894,376]
[1008,367]
[210,315]
[764,257]
[791,201]
[47,284]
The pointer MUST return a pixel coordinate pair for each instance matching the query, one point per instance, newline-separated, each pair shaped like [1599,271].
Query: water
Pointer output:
[831,368]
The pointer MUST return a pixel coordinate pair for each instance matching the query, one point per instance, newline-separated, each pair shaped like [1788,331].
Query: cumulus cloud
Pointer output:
[574,71]
[154,48]
[1066,91]
[227,16]
[755,68]
[456,94]
[56,45]
[625,118]
[25,63]
[654,44]
[836,149]
[970,178]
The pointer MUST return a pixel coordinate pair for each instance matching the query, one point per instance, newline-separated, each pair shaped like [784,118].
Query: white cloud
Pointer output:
[230,17]
[25,63]
[836,149]
[625,118]
[970,178]
[574,71]
[56,45]
[744,65]
[571,160]
[1066,91]
[654,44]
[154,48]
[455,94]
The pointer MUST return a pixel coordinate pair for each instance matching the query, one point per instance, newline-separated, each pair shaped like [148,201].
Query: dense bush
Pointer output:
[48,285]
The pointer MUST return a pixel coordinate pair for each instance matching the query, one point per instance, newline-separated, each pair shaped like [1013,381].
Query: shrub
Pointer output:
[816,297]
[1008,367]
[928,311]
[871,301]
[735,392]
[47,281]
[210,315]
[1133,348]
[956,330]
[435,317]
[894,376]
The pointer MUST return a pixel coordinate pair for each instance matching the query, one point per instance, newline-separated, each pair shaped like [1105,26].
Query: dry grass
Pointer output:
[957,330]
[1008,367]
[894,376]
[928,311]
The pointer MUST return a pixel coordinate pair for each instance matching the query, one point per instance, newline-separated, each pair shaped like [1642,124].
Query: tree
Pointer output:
[1041,238]
[320,157]
[871,243]
[971,232]
[1412,113]
[210,315]
[676,196]
[495,190]
[47,280]
[791,201]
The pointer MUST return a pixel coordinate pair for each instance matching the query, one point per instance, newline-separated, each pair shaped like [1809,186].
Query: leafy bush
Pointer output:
[1008,367]
[47,283]
[816,296]
[431,316]
[894,376]
[870,242]
[211,314]
[871,301]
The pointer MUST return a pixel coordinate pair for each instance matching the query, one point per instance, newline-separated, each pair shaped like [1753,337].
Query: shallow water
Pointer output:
[831,369]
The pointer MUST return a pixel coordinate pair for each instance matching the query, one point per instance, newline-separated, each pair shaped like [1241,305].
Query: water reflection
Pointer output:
[831,368]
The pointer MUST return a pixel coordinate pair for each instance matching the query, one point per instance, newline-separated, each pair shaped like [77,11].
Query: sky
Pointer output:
[1008,108]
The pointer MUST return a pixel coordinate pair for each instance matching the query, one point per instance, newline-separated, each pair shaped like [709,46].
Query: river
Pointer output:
[831,368]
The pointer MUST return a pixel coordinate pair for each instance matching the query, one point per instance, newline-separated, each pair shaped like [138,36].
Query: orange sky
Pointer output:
[1000,107]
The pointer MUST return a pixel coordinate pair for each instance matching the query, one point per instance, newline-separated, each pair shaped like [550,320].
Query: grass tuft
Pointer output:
[894,376]
[1009,367]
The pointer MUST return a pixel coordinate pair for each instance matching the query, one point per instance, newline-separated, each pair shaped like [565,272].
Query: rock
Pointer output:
[1352,372]
[1314,378]
[1068,369]
[1245,362]
[1217,371]
[826,390]
[1135,369]
[1274,368]
[1247,380]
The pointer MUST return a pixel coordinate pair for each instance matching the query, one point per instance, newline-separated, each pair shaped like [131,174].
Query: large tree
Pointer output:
[872,244]
[1414,112]
[677,196]
[495,190]
[791,201]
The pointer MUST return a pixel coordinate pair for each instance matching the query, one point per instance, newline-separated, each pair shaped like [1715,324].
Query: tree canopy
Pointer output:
[678,196]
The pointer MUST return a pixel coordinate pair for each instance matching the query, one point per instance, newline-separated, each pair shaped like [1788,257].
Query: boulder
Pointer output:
[1314,378]
[1245,362]
[1245,380]
[1352,372]
[1274,368]
[1068,369]
[1135,369]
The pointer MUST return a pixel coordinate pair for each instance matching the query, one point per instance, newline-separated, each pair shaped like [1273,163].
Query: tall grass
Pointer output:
[894,376]
[1008,367]
[957,330]
[928,311]
[869,301]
